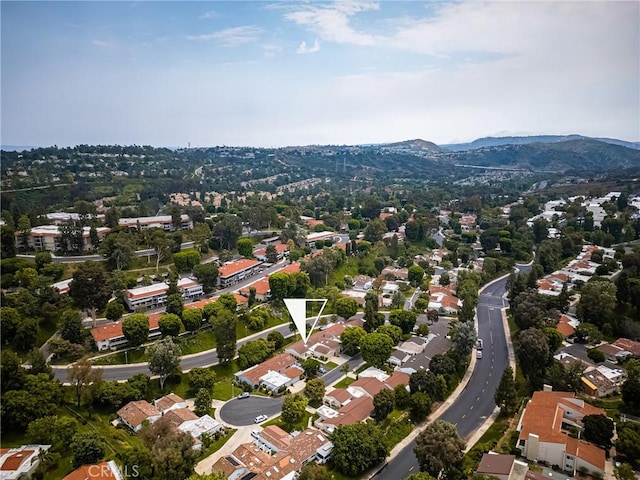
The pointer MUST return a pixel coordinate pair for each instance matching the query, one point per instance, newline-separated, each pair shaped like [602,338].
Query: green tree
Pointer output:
[374,231]
[415,274]
[245,247]
[372,318]
[505,395]
[597,302]
[12,374]
[192,319]
[159,242]
[533,354]
[598,429]
[170,325]
[9,323]
[346,307]
[26,334]
[420,476]
[82,375]
[313,471]
[201,235]
[202,402]
[135,329]
[42,259]
[311,367]
[314,391]
[404,319]
[271,254]
[383,404]
[164,359]
[351,338]
[200,377]
[463,339]
[224,329]
[207,275]
[293,408]
[208,476]
[357,447]
[628,442]
[24,227]
[228,230]
[624,472]
[87,448]
[394,332]
[114,311]
[171,450]
[39,363]
[174,304]
[376,348]
[72,329]
[276,339]
[89,288]
[186,260]
[254,352]
[439,449]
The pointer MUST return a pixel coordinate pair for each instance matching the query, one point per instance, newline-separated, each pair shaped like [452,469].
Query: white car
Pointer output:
[261,418]
[479,354]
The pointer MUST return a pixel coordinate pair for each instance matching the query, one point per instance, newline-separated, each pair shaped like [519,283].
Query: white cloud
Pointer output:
[208,15]
[231,37]
[302,48]
[331,22]
[271,50]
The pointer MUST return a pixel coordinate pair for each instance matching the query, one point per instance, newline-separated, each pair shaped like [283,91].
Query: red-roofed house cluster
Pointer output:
[354,404]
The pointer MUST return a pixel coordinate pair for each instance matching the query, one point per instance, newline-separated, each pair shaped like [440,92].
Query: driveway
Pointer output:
[238,412]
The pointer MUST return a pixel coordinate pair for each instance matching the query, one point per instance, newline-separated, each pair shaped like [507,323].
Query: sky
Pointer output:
[278,73]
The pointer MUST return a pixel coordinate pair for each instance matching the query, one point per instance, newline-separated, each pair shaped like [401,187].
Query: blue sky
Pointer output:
[294,73]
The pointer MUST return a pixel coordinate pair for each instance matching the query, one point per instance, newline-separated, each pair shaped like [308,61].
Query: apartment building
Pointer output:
[50,238]
[165,222]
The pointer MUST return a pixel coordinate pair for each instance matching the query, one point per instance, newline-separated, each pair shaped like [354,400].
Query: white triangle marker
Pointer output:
[298,310]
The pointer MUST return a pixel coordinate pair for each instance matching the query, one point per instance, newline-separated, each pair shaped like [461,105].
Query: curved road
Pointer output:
[476,402]
[239,412]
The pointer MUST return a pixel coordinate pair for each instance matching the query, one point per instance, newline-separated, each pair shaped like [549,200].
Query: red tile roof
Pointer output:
[237,267]
[291,268]
[353,412]
[13,461]
[261,286]
[278,363]
[101,471]
[114,330]
[134,413]
[564,327]
[586,451]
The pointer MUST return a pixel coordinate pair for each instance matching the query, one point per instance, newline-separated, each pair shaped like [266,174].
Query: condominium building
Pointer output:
[152,296]
[50,238]
[165,222]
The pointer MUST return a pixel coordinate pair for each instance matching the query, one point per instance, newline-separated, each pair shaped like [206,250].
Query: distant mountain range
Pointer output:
[499,141]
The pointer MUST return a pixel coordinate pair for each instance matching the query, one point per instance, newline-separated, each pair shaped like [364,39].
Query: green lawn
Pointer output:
[217,445]
[137,355]
[300,426]
[198,342]
[345,382]
[330,365]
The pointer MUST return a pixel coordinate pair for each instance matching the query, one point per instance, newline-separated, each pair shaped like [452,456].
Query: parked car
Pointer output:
[244,395]
[479,354]
[261,418]
[255,433]
[480,344]
[322,370]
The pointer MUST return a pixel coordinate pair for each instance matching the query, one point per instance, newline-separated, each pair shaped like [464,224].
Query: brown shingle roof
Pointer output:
[628,345]
[134,413]
[178,416]
[353,412]
[496,464]
[168,401]
[278,363]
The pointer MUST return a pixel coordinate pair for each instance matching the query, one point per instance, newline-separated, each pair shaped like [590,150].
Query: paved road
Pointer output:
[238,412]
[337,373]
[476,403]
